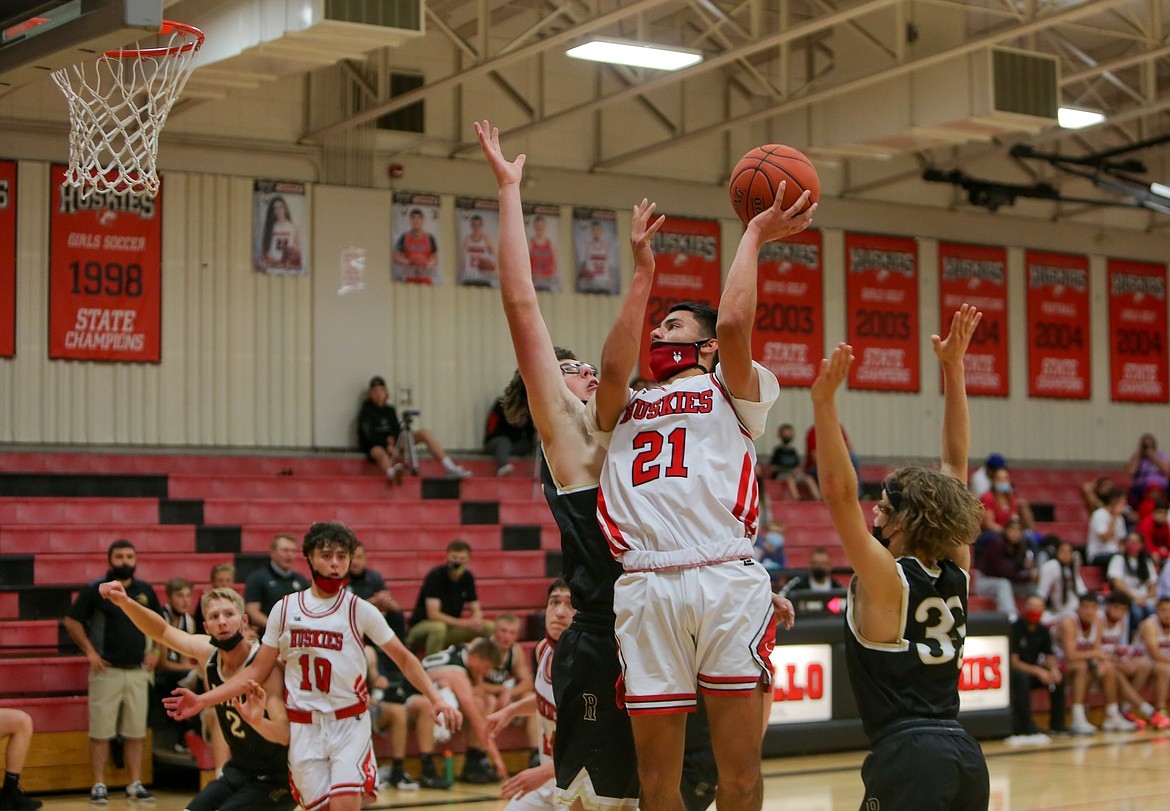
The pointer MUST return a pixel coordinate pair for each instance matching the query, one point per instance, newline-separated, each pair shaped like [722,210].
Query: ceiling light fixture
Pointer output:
[635,54]
[1073,119]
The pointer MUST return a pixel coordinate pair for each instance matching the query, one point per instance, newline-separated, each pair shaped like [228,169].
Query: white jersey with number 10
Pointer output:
[321,642]
[679,485]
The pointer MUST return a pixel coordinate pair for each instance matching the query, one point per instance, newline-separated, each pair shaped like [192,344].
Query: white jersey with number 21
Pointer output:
[678,487]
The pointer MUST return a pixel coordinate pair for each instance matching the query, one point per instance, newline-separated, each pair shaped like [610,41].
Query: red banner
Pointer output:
[1058,325]
[881,280]
[7,259]
[105,275]
[977,275]
[789,337]
[1137,331]
[686,268]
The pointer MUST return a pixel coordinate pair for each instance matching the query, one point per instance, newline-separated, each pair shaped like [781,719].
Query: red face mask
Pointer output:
[1033,617]
[668,359]
[329,585]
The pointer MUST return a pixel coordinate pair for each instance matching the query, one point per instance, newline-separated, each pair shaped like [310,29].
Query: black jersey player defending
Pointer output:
[907,611]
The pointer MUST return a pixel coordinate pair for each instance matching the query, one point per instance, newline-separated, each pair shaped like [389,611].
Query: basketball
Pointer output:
[757,176]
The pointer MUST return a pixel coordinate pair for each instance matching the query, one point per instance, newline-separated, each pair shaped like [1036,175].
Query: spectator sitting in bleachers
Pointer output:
[1131,572]
[1154,634]
[1007,567]
[1033,665]
[980,482]
[388,718]
[1093,493]
[784,466]
[506,435]
[1147,466]
[17,727]
[120,664]
[1133,668]
[379,432]
[1085,661]
[173,667]
[1001,503]
[818,578]
[460,668]
[266,586]
[768,549]
[223,576]
[369,584]
[810,456]
[1059,584]
[1155,532]
[437,620]
[512,680]
[1106,530]
[1154,494]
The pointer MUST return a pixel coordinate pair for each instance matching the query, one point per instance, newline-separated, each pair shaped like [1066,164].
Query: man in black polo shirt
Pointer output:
[119,669]
[438,620]
[266,586]
[1033,665]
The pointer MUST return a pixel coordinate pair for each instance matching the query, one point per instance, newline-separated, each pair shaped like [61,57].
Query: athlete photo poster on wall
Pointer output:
[542,226]
[595,248]
[280,228]
[477,227]
[7,259]
[414,229]
[105,274]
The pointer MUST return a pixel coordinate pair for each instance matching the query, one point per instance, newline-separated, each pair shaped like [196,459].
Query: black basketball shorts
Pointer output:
[237,790]
[935,767]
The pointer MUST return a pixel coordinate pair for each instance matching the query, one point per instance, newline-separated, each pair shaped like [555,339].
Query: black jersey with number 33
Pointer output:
[917,676]
[251,751]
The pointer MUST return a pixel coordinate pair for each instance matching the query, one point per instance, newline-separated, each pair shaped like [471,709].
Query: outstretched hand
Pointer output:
[642,231]
[113,591]
[444,713]
[506,172]
[250,705]
[777,223]
[182,703]
[954,347]
[832,374]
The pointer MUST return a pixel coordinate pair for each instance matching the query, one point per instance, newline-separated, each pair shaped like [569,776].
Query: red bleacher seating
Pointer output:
[74,539]
[78,511]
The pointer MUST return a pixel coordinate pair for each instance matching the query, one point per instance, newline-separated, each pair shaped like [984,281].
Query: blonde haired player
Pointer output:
[318,634]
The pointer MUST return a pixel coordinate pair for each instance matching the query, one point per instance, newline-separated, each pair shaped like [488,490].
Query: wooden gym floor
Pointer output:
[1118,772]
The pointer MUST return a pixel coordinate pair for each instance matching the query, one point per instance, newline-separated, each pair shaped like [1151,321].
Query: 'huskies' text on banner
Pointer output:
[105,275]
[686,268]
[1137,332]
[977,275]
[7,259]
[881,280]
[789,334]
[1058,325]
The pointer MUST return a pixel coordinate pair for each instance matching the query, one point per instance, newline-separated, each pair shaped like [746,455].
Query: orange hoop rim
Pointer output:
[168,27]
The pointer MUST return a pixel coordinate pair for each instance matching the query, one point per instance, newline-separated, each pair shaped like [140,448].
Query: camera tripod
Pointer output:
[406,443]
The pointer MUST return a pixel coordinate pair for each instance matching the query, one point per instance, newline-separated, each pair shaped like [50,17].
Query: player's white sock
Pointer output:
[1111,711]
[1147,709]
[1078,713]
[449,464]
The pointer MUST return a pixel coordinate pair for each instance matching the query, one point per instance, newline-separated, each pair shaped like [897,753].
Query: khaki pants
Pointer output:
[435,636]
[117,703]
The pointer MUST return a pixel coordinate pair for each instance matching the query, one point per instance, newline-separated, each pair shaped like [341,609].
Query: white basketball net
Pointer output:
[118,105]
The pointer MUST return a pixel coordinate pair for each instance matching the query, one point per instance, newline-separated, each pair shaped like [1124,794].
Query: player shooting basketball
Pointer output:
[678,504]
[907,610]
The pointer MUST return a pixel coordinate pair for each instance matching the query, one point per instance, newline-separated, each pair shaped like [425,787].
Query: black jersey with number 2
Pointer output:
[918,675]
[251,751]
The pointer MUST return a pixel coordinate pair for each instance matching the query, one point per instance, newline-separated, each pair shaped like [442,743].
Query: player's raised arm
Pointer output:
[737,306]
[620,352]
[196,646]
[873,563]
[956,431]
[534,347]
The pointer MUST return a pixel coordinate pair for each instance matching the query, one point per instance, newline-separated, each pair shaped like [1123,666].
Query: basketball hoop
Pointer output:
[118,105]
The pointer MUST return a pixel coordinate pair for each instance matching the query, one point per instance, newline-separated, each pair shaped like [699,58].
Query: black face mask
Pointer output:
[452,566]
[228,644]
[877,533]
[123,572]
[787,440]
[818,573]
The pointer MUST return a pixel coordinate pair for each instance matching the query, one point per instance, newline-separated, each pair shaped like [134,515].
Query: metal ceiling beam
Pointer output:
[495,63]
[796,32]
[893,72]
